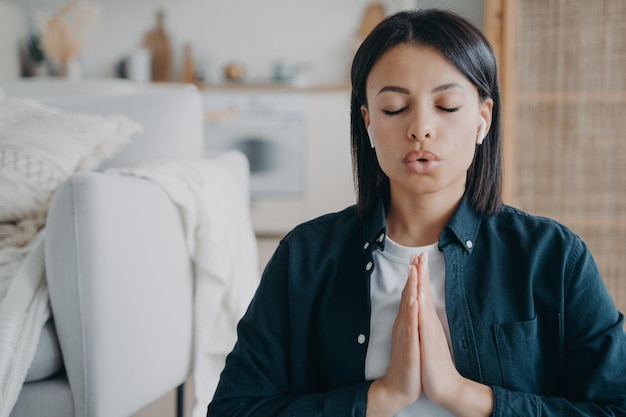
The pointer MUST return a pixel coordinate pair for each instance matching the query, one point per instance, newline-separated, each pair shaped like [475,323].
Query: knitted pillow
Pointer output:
[41,146]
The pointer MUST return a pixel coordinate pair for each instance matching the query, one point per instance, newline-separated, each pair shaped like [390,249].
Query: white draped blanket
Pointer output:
[24,309]
[222,245]
[220,241]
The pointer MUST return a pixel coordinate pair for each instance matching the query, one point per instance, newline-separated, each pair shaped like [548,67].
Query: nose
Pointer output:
[420,127]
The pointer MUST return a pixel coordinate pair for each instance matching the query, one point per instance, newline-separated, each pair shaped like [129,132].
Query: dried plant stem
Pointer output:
[63,35]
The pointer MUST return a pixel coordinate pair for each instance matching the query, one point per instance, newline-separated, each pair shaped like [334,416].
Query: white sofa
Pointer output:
[119,277]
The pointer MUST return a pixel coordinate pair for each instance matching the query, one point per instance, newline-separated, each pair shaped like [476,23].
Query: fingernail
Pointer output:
[413,258]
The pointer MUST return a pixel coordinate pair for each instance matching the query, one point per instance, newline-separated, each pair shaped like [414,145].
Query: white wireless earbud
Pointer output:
[482,132]
[369,134]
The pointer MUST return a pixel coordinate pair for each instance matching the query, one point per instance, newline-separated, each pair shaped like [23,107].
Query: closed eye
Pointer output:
[393,112]
[448,109]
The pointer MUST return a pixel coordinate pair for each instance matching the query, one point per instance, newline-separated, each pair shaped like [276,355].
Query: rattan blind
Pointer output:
[570,129]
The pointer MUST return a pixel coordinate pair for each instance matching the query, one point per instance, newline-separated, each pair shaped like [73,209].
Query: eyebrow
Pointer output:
[446,87]
[402,90]
[395,89]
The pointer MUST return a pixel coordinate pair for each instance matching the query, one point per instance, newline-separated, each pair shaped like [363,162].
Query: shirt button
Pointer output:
[381,238]
[369,266]
[367,245]
[361,339]
[469,244]
[463,343]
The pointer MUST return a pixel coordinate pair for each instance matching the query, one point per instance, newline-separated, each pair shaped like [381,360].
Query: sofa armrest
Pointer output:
[121,291]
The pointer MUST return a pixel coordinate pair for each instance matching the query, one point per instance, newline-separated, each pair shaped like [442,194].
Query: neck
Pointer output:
[419,220]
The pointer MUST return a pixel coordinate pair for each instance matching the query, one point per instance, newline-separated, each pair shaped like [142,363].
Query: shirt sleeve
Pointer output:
[256,378]
[594,352]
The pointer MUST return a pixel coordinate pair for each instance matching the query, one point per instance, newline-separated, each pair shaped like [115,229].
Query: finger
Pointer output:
[403,375]
[410,288]
[428,319]
[423,284]
[431,330]
[437,366]
[405,335]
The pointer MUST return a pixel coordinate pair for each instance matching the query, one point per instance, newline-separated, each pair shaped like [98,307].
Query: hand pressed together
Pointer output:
[420,358]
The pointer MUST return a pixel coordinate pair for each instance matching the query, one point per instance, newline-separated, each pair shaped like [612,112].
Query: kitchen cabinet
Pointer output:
[564,118]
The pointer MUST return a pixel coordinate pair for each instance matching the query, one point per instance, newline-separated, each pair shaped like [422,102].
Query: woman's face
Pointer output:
[424,117]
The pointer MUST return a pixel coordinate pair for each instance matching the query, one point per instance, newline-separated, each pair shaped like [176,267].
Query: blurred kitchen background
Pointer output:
[274,77]
[316,35]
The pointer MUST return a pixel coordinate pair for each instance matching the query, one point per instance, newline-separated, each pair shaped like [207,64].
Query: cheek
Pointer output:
[460,145]
[466,151]
[466,133]
[385,156]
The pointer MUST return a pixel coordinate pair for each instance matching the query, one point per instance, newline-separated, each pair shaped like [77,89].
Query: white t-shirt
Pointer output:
[387,282]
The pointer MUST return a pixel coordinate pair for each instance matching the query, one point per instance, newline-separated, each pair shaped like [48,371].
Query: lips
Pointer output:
[420,156]
[421,162]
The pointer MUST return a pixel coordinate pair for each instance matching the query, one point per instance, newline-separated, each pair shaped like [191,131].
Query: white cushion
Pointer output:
[41,146]
[48,359]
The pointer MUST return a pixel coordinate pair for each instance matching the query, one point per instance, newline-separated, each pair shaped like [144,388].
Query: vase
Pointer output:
[71,69]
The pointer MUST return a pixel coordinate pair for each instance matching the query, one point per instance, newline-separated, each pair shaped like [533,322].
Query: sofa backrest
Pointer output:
[171,115]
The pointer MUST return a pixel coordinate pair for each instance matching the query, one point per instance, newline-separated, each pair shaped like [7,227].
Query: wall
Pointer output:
[12,30]
[256,33]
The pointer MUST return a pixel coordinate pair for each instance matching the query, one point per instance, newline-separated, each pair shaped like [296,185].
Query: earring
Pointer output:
[369,134]
[482,131]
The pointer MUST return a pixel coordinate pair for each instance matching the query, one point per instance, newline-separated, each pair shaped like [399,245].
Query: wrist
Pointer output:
[383,401]
[471,399]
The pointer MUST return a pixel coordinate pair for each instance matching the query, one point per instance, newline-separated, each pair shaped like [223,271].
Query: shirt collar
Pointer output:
[375,227]
[462,228]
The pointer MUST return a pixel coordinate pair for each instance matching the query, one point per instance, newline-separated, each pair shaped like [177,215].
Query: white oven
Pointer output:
[268,127]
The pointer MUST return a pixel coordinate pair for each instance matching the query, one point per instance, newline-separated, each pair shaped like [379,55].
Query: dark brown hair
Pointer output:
[465,47]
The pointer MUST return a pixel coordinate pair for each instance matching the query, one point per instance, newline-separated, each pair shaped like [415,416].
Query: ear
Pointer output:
[486,107]
[366,115]
[368,125]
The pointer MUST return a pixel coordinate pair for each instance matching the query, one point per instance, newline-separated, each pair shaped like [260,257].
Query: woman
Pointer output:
[501,314]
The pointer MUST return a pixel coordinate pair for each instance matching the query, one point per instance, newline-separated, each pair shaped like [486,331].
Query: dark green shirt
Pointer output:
[529,315]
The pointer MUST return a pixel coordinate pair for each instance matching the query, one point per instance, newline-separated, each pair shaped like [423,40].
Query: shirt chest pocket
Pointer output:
[529,354]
